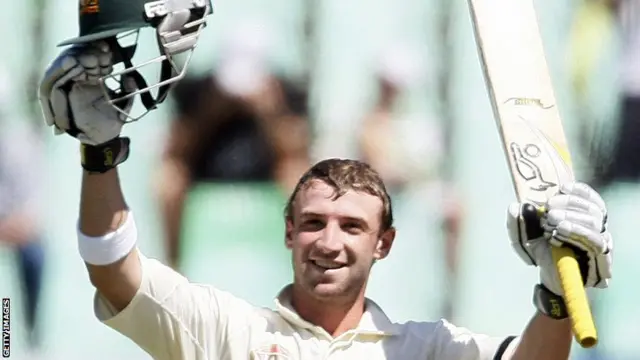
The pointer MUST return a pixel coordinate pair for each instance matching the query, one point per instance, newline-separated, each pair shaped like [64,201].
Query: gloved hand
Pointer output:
[575,217]
[72,99]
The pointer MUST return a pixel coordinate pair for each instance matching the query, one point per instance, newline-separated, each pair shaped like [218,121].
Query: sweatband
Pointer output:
[109,248]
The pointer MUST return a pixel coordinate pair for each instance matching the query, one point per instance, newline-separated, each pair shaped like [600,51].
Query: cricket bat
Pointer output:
[524,106]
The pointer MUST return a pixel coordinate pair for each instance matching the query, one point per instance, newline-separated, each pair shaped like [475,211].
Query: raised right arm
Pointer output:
[160,310]
[148,302]
[103,211]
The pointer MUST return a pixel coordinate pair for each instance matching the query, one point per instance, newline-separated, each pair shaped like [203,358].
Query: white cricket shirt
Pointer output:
[172,318]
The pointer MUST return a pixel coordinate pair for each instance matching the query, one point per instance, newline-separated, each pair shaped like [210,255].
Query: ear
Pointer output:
[288,234]
[385,241]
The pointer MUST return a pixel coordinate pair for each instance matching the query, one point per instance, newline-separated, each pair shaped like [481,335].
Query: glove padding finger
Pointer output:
[586,239]
[58,99]
[97,61]
[573,202]
[553,218]
[62,69]
[585,192]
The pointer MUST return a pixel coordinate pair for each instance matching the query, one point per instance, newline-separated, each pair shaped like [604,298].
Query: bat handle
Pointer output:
[575,296]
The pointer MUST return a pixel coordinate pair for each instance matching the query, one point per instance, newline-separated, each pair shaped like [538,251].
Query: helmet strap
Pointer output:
[124,55]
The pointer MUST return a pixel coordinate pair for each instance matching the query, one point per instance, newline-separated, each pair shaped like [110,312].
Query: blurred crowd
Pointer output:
[245,122]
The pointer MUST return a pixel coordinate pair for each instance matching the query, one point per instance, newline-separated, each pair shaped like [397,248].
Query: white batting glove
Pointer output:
[72,99]
[574,217]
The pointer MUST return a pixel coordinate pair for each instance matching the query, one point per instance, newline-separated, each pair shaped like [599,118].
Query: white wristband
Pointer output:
[107,249]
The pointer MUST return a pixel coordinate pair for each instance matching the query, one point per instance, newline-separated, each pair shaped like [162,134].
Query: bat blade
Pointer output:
[524,105]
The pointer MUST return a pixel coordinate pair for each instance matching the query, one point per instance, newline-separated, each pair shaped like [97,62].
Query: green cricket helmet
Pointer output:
[177,24]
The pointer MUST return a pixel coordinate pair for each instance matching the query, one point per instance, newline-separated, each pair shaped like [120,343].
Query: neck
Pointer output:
[335,317]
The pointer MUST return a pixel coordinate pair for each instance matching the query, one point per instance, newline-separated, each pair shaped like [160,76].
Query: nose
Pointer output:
[331,239]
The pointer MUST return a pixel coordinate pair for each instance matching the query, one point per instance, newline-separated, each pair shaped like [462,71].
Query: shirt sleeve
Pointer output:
[458,343]
[173,319]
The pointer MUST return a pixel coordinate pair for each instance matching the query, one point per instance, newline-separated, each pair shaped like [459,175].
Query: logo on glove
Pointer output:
[89,7]
[556,309]
[108,156]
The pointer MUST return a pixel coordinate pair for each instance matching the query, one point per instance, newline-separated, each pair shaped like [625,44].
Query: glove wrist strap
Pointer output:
[104,157]
[548,303]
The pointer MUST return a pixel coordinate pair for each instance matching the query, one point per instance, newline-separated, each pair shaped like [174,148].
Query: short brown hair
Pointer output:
[343,175]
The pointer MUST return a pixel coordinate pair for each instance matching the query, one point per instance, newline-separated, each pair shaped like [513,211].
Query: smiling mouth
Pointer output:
[327,265]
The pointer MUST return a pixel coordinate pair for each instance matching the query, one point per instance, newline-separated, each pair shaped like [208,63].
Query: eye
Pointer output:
[312,225]
[352,227]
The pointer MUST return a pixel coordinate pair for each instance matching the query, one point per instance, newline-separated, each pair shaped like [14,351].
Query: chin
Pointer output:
[332,291]
[330,286]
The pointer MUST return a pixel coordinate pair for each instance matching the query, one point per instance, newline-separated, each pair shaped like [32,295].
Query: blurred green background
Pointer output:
[234,233]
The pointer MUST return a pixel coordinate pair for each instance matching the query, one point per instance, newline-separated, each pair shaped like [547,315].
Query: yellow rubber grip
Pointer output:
[575,297]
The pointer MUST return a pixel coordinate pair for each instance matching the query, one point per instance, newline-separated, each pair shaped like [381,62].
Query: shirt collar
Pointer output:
[374,321]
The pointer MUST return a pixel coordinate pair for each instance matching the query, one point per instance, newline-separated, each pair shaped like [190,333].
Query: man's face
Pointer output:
[334,242]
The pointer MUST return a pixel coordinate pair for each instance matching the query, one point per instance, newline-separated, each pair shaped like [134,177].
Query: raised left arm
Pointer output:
[544,338]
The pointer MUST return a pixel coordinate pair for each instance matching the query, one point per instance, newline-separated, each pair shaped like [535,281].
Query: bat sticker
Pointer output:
[528,102]
[527,168]
[541,162]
